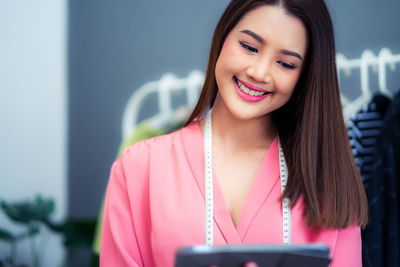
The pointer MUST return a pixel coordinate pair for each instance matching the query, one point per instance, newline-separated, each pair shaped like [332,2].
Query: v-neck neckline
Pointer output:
[267,178]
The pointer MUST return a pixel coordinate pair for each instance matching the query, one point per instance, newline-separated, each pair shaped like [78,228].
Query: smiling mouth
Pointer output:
[247,90]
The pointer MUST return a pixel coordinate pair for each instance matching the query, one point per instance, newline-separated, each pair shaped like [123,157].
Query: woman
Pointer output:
[272,86]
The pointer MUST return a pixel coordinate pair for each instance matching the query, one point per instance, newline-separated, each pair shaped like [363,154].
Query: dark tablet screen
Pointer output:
[312,255]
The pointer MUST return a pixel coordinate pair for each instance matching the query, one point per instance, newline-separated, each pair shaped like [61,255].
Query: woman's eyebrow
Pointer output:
[291,53]
[261,40]
[254,35]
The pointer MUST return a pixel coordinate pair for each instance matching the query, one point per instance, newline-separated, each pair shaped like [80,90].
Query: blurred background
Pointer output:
[67,71]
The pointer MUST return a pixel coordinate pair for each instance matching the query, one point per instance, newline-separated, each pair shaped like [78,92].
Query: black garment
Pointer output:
[381,237]
[363,131]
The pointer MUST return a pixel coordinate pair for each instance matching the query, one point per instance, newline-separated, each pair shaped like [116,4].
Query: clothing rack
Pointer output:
[169,84]
[165,87]
[367,61]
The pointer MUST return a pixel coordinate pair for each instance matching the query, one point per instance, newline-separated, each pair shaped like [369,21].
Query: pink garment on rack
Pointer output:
[155,204]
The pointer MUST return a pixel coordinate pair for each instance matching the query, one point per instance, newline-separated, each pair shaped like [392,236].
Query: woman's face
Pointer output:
[260,62]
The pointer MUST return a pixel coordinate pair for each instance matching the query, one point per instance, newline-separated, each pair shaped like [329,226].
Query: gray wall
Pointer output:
[115,47]
[366,24]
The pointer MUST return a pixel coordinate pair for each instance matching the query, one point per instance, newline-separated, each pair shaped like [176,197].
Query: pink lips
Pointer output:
[250,98]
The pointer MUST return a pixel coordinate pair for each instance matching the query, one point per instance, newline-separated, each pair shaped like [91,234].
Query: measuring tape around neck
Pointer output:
[208,184]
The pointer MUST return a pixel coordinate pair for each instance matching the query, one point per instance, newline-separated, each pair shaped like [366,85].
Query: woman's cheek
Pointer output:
[230,51]
[290,81]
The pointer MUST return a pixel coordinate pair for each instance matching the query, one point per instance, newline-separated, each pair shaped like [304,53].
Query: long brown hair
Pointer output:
[310,126]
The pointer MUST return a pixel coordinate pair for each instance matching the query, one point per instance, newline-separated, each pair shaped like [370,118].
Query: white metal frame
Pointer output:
[367,61]
[164,87]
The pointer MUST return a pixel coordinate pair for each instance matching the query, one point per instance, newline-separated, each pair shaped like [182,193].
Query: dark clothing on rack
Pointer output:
[363,131]
[381,237]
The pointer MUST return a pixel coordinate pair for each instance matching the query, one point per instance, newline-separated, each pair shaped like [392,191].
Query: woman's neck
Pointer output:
[235,134]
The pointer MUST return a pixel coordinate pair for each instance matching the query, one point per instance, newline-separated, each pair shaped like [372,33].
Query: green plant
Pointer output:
[34,215]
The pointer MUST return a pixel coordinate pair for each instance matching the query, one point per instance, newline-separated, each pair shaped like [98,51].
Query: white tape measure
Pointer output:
[208,183]
[286,215]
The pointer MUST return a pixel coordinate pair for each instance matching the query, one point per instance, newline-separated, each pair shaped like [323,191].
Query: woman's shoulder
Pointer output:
[161,144]
[144,159]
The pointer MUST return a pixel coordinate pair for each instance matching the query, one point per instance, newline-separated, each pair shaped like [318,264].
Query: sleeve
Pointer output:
[347,251]
[119,245]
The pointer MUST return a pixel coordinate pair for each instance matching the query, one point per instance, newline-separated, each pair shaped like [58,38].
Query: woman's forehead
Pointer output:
[275,26]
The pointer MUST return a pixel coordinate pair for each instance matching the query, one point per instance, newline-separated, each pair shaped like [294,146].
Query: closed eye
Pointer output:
[286,65]
[249,47]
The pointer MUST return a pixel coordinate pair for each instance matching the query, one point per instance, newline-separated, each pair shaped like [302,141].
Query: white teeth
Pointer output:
[247,90]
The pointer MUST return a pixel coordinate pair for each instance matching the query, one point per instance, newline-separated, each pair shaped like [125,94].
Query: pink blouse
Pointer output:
[155,204]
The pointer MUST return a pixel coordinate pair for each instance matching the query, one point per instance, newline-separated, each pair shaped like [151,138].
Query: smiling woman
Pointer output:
[263,158]
[252,82]
[253,55]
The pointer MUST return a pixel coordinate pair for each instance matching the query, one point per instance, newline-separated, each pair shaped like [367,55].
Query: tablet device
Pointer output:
[309,255]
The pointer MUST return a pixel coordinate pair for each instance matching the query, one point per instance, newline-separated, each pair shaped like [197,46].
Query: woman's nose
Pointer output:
[260,70]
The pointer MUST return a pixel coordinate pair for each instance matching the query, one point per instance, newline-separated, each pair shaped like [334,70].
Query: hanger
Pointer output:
[367,60]
[352,107]
[384,56]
